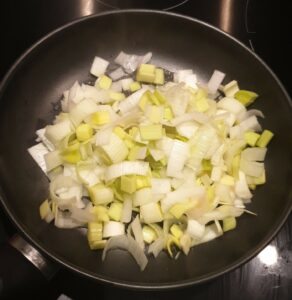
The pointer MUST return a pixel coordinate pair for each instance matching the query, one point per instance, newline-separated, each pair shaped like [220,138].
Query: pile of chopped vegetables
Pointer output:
[139,160]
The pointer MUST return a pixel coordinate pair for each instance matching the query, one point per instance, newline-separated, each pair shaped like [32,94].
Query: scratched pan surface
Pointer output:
[28,99]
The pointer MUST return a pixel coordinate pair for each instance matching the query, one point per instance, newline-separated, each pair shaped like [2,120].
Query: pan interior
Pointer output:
[29,101]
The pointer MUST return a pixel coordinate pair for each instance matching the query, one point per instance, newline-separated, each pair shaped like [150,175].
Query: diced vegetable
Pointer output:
[265,138]
[168,164]
[146,73]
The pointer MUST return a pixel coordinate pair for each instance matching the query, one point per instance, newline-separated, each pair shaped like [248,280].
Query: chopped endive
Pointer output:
[229,223]
[115,211]
[100,194]
[146,73]
[149,234]
[151,132]
[104,82]
[265,138]
[245,97]
[159,76]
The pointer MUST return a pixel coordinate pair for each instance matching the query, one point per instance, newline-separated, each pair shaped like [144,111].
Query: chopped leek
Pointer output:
[229,223]
[100,194]
[163,163]
[151,132]
[84,132]
[135,86]
[265,138]
[149,234]
[100,118]
[104,82]
[115,211]
[146,73]
[245,97]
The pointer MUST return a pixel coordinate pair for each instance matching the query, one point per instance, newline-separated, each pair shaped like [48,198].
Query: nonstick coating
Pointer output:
[30,95]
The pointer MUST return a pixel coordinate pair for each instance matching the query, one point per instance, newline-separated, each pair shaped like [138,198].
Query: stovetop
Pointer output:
[261,25]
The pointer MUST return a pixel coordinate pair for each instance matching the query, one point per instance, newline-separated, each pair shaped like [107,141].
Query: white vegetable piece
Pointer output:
[55,133]
[42,138]
[177,158]
[180,75]
[151,213]
[132,101]
[137,231]
[215,81]
[117,74]
[241,187]
[113,228]
[127,243]
[83,109]
[98,66]
[53,160]
[160,185]
[143,196]
[38,153]
[195,229]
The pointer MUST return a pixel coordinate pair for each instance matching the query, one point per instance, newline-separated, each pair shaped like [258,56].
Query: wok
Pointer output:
[29,97]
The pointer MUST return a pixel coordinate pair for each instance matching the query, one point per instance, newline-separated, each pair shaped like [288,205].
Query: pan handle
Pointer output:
[24,271]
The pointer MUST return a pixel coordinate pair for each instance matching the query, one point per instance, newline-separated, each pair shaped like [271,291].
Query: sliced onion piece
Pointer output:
[113,228]
[177,158]
[124,242]
[38,153]
[65,191]
[137,231]
[157,246]
[215,81]
[127,211]
[117,74]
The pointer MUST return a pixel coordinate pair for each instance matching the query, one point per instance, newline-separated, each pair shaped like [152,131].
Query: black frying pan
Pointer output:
[29,98]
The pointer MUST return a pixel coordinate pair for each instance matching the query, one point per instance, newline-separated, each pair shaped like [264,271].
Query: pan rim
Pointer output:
[117,282]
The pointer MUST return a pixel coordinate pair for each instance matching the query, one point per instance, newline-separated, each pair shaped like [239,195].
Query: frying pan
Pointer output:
[29,97]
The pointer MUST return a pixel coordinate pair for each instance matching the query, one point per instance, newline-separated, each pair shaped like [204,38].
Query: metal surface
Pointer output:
[46,267]
[260,25]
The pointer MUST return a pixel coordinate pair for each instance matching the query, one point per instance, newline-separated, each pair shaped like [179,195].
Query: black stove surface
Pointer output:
[261,25]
